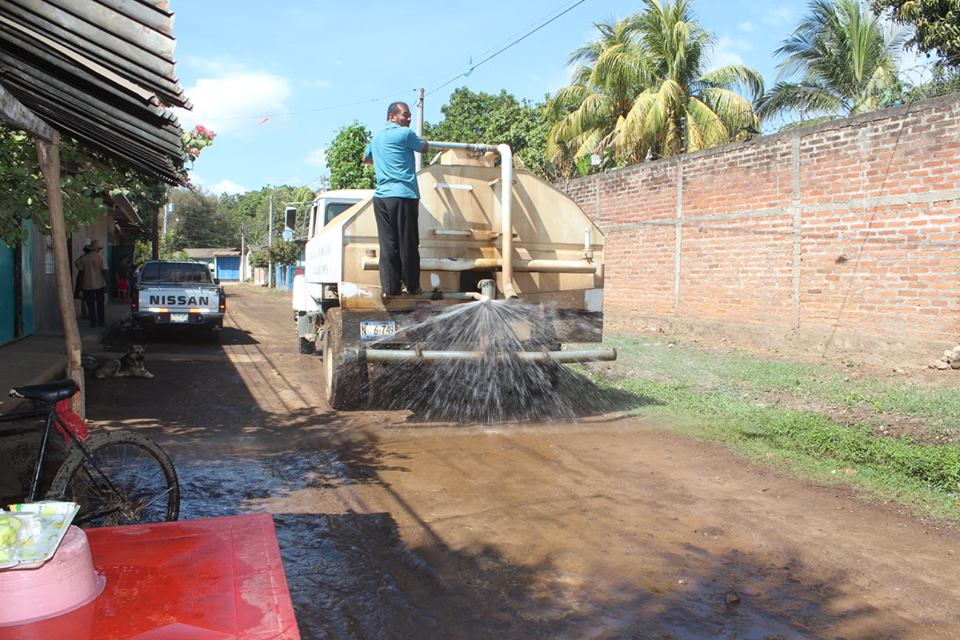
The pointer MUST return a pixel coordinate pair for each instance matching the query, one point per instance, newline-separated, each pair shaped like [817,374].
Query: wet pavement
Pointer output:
[394,525]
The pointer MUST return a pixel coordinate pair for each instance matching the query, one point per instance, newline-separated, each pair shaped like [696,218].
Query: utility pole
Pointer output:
[243,257]
[270,242]
[419,156]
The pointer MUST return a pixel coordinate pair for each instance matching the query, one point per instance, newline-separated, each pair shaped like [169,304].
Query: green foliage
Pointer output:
[642,90]
[250,211]
[284,253]
[945,80]
[845,62]
[142,251]
[936,25]
[199,222]
[493,119]
[86,176]
[260,258]
[344,158]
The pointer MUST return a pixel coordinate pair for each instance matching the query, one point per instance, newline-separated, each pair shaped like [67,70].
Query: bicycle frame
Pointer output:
[42,454]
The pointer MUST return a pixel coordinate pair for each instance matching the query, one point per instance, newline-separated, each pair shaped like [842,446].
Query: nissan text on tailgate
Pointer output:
[178,294]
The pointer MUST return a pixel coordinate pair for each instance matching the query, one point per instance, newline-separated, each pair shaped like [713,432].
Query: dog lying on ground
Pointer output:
[130,365]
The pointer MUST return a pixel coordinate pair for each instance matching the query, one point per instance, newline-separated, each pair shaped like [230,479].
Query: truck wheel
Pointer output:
[345,379]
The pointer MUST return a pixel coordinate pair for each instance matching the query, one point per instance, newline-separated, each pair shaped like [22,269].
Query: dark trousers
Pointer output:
[399,234]
[93,299]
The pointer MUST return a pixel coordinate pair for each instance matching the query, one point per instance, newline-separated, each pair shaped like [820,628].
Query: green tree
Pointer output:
[344,158]
[199,222]
[642,90]
[86,177]
[250,211]
[844,60]
[936,25]
[284,253]
[483,118]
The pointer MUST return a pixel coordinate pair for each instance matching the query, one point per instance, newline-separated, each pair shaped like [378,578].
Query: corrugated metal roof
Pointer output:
[101,71]
[212,252]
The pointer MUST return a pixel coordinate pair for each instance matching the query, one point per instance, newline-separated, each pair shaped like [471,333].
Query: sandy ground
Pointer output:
[608,527]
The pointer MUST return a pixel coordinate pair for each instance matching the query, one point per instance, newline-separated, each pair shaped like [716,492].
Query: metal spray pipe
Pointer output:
[506,204]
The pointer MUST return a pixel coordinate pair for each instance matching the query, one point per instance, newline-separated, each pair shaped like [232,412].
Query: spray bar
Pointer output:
[469,264]
[396,355]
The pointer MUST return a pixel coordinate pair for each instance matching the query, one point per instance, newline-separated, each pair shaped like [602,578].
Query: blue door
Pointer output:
[228,267]
[8,308]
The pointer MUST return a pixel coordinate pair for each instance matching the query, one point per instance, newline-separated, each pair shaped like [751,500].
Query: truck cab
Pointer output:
[309,292]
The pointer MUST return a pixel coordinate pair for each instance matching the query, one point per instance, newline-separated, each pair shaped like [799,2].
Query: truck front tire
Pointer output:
[345,378]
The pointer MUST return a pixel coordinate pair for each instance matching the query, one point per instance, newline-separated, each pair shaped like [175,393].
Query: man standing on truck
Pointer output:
[396,200]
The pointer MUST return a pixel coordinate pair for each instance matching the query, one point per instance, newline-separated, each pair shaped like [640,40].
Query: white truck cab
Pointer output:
[321,262]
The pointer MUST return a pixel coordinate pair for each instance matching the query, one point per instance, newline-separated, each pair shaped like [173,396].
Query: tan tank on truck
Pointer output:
[478,241]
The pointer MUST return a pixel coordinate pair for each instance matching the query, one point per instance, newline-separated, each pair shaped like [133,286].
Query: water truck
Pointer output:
[487,233]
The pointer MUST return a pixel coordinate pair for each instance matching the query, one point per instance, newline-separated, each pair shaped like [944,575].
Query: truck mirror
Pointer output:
[290,217]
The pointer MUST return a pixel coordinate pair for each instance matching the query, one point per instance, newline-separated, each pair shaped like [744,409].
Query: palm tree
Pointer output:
[845,60]
[641,91]
[610,72]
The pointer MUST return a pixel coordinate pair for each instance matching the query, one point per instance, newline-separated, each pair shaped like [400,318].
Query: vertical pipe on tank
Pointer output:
[506,218]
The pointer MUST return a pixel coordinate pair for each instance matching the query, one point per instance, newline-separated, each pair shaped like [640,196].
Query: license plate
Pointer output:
[179,317]
[373,329]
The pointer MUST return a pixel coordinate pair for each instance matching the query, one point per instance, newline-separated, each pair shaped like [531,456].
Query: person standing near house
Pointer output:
[396,200]
[93,282]
[124,274]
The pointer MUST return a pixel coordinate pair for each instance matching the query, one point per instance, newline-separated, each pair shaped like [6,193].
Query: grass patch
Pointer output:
[715,396]
[938,408]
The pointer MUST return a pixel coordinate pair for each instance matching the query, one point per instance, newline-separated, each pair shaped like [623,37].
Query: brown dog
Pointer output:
[130,365]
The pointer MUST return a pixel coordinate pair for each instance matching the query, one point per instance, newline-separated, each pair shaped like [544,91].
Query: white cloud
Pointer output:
[723,53]
[746,26]
[227,186]
[915,67]
[317,157]
[777,16]
[236,101]
[223,186]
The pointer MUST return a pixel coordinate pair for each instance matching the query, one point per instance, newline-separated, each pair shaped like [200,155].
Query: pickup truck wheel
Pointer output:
[345,379]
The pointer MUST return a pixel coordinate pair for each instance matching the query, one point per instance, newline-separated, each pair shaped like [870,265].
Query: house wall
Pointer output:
[843,235]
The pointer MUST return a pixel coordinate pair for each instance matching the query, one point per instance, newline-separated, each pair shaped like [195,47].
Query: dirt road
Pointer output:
[609,527]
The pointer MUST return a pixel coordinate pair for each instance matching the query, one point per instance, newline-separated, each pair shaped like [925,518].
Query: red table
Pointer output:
[212,579]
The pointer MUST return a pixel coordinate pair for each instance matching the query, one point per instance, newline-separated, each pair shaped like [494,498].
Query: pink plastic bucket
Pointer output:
[63,583]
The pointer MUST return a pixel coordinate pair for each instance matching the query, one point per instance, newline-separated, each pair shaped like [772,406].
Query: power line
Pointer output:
[261,116]
[267,116]
[501,50]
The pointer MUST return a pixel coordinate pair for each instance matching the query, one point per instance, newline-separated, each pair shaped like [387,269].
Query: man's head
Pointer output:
[399,112]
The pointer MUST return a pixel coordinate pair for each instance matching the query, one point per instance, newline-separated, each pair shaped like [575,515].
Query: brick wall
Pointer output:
[843,235]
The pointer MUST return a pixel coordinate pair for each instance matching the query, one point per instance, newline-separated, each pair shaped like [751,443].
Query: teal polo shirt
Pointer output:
[393,162]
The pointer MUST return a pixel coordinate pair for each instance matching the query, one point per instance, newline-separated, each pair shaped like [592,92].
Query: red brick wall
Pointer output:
[846,231]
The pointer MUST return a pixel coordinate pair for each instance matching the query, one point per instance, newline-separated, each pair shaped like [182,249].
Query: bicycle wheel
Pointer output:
[118,478]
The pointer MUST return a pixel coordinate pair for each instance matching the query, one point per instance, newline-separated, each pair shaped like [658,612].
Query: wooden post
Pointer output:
[48,154]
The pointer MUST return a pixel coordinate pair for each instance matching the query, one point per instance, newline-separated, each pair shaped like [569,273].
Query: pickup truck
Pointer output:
[172,294]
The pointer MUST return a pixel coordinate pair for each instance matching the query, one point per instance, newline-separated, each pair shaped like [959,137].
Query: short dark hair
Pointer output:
[394,108]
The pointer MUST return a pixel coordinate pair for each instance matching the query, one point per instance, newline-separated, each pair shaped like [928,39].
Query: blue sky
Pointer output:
[276,80]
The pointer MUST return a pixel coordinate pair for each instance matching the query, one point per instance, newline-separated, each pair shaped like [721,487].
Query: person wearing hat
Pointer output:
[93,282]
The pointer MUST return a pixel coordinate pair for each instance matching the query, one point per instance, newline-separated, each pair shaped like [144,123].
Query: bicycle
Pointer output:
[117,477]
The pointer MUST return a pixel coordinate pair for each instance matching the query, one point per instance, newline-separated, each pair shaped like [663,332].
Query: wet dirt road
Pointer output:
[607,527]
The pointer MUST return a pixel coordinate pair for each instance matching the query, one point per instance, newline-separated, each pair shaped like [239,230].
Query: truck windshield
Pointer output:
[334,209]
[175,272]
